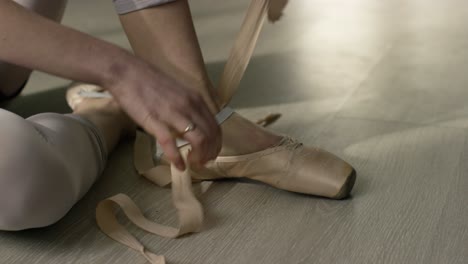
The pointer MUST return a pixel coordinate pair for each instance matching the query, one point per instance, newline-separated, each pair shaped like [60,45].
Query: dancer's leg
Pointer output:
[165,36]
[107,116]
[49,161]
[13,77]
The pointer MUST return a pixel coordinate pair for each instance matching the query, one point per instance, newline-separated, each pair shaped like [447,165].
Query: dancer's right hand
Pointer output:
[155,101]
[163,107]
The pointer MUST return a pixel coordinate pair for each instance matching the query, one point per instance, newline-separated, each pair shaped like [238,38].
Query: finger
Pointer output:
[212,129]
[167,142]
[201,147]
[197,137]
[216,136]
[198,156]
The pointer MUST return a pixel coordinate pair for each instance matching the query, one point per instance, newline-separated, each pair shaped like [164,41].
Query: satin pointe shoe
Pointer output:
[289,165]
[77,92]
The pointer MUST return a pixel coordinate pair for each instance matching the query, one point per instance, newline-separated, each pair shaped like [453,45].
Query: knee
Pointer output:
[33,197]
[13,80]
[34,188]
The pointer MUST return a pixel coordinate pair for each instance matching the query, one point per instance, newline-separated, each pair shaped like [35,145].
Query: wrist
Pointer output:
[120,64]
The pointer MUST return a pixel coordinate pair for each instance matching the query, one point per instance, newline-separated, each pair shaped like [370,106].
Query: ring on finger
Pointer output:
[190,127]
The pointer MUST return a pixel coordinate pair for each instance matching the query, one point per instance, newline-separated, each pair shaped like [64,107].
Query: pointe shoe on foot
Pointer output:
[78,92]
[288,166]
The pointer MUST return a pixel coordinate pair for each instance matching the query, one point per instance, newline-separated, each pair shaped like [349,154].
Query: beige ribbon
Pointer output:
[189,209]
[244,45]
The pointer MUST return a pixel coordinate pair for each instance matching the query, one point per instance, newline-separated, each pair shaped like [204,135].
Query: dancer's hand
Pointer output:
[154,101]
[165,108]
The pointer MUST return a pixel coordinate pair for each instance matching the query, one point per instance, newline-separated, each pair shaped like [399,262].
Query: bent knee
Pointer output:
[34,192]
[12,79]
[32,197]
[35,189]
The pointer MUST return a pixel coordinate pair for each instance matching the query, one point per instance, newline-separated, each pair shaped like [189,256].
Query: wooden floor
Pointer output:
[383,84]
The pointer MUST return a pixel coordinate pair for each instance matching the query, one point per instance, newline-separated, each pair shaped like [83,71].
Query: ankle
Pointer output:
[206,90]
[241,136]
[107,116]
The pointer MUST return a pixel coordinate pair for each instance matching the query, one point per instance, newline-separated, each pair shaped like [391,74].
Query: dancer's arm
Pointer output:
[155,101]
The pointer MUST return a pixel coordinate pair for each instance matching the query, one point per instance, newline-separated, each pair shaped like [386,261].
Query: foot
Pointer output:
[241,136]
[249,151]
[103,112]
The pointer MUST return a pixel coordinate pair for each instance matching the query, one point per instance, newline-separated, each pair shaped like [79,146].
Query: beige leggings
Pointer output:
[47,163]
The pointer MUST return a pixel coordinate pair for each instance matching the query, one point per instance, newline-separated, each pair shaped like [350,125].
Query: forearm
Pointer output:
[31,41]
[178,54]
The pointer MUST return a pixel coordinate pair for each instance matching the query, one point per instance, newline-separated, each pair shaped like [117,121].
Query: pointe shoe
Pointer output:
[80,91]
[288,166]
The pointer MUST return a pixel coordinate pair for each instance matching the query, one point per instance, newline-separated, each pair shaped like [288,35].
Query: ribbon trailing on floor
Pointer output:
[189,209]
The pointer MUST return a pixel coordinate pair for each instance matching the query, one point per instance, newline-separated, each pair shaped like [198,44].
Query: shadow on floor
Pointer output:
[52,100]
[269,80]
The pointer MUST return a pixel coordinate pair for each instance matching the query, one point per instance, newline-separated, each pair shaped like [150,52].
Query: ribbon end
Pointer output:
[275,9]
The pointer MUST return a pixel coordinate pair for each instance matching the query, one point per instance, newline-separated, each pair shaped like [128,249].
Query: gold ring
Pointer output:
[190,127]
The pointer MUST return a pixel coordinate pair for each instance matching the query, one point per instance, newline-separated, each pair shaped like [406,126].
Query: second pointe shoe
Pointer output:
[288,165]
[79,91]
